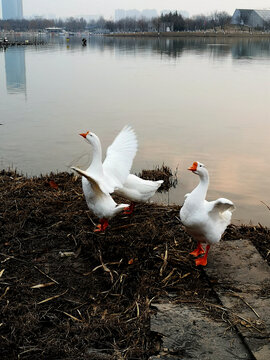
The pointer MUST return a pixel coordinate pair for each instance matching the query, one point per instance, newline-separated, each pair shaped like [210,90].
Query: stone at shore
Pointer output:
[241,279]
[189,333]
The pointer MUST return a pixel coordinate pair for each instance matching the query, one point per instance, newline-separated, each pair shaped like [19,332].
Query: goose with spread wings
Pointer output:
[102,179]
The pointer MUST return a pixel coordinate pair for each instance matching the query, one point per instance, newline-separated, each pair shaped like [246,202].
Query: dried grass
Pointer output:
[97,302]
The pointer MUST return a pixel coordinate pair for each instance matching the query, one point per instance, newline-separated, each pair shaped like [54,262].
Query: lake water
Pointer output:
[187,99]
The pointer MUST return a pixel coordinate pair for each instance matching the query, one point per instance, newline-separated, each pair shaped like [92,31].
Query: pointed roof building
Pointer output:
[251,18]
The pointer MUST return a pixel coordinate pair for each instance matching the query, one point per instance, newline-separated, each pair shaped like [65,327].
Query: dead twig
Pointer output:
[105,268]
[5,292]
[39,286]
[124,226]
[101,266]
[27,351]
[165,280]
[268,207]
[245,302]
[234,314]
[165,261]
[72,317]
[52,298]
[89,217]
[2,272]
[53,225]
[43,273]
[138,309]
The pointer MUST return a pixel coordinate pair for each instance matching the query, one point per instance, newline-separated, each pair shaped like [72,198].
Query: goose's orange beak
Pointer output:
[84,134]
[194,166]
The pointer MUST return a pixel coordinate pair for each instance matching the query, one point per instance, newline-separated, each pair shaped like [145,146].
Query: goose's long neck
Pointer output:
[201,190]
[96,164]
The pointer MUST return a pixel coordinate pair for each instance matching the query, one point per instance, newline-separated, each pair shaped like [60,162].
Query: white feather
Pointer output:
[100,203]
[120,155]
[137,189]
[220,206]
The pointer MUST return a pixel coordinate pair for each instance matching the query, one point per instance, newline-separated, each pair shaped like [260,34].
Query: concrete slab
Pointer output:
[188,333]
[241,278]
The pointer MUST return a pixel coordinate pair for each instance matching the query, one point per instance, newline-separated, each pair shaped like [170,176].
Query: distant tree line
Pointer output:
[70,24]
[172,21]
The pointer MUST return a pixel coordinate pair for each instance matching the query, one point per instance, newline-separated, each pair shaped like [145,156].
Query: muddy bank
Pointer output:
[69,293]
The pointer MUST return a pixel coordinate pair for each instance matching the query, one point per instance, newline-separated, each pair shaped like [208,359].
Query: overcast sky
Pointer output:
[106,7]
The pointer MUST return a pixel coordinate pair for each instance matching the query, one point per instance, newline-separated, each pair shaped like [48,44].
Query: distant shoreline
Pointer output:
[186,34]
[171,34]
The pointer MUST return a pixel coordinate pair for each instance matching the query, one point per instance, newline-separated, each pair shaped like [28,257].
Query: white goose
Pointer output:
[101,179]
[205,221]
[136,189]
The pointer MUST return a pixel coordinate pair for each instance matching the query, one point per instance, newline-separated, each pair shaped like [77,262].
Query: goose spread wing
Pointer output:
[120,155]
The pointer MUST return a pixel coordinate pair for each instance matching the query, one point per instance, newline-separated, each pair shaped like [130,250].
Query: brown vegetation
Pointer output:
[69,293]
[162,172]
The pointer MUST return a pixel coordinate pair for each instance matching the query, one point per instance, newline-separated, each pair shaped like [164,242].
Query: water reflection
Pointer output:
[175,47]
[171,47]
[248,48]
[15,70]
[188,99]
[238,48]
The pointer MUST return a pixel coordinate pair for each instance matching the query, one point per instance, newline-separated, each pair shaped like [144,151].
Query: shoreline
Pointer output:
[158,173]
[170,34]
[200,34]
[21,43]
[72,180]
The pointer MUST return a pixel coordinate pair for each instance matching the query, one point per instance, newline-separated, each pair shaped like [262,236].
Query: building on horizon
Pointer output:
[251,18]
[135,14]
[149,13]
[88,18]
[12,9]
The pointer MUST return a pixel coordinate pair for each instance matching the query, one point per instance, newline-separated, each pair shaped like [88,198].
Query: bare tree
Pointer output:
[173,20]
[142,24]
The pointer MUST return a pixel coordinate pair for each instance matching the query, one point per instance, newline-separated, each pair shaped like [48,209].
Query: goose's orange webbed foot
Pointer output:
[203,260]
[198,251]
[98,228]
[102,226]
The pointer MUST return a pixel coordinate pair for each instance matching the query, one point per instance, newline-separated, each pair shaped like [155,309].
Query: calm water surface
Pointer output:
[206,100]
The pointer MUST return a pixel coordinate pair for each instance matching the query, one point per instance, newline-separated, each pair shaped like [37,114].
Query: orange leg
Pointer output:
[203,260]
[198,251]
[102,226]
[129,210]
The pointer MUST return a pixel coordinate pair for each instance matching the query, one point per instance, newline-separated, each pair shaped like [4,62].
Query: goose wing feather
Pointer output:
[96,185]
[119,157]
[220,205]
[142,185]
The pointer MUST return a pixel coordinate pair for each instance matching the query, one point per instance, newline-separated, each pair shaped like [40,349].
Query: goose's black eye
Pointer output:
[200,165]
